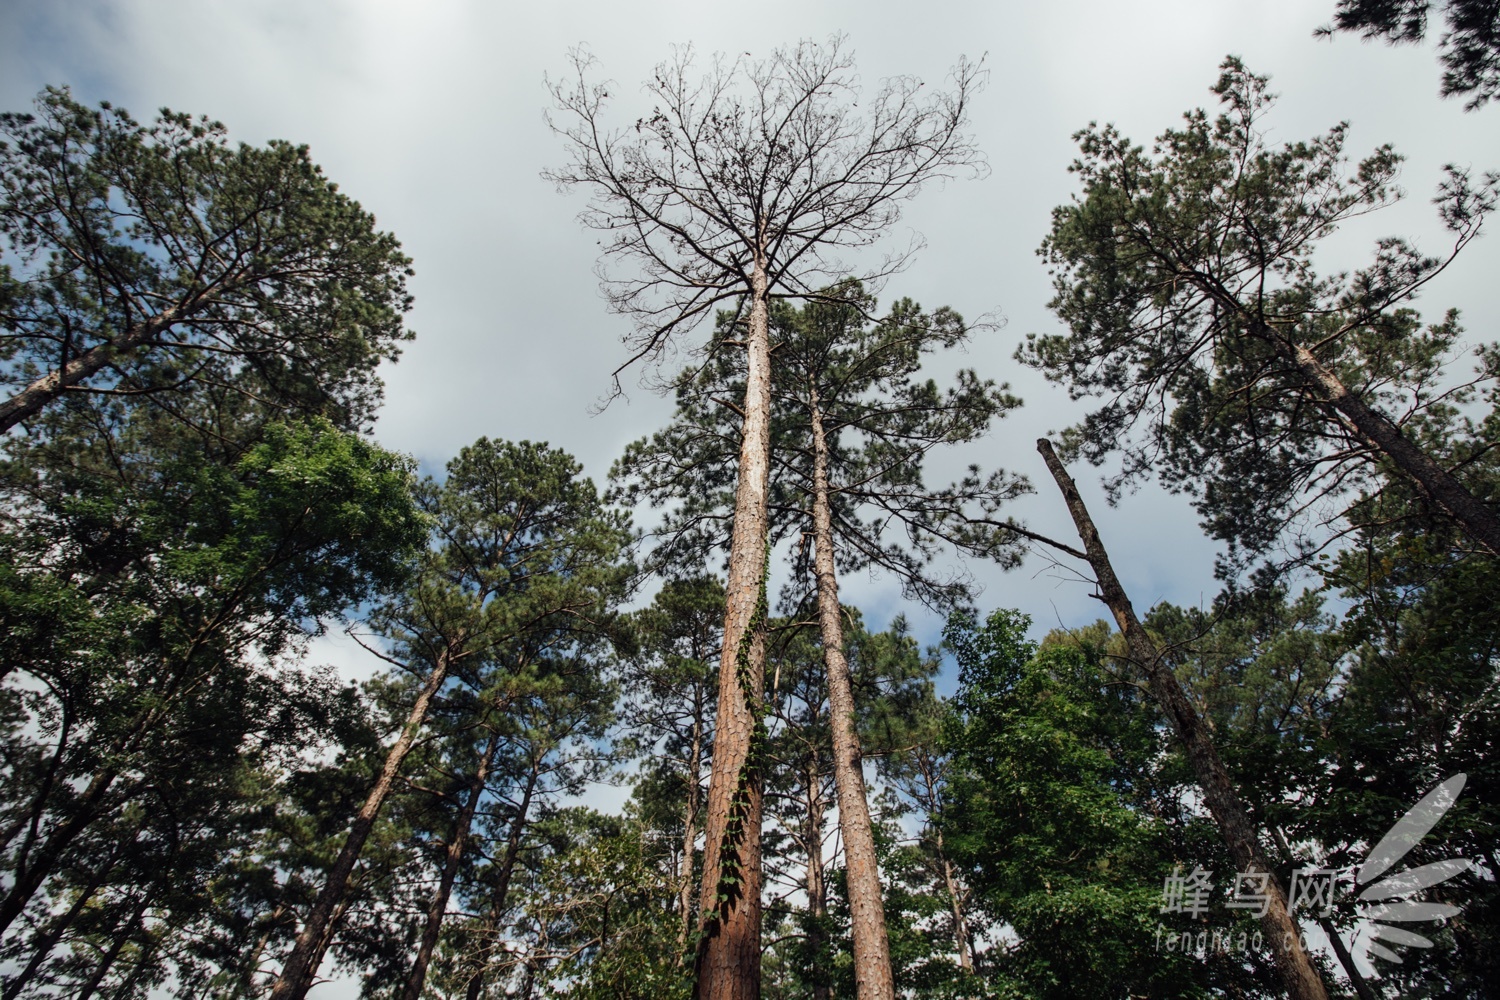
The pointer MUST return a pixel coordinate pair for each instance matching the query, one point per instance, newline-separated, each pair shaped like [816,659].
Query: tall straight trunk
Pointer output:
[689,833]
[727,965]
[451,859]
[1437,484]
[502,883]
[816,884]
[1229,813]
[872,953]
[301,965]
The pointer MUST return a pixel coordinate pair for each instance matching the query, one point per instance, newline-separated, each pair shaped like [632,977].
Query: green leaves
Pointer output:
[1185,278]
[881,418]
[1468,49]
[1063,812]
[162,260]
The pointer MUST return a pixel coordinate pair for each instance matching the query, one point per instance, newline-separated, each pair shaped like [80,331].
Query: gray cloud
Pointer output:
[431,115]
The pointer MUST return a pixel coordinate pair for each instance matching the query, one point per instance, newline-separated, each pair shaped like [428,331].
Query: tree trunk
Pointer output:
[727,966]
[872,955]
[1229,813]
[956,905]
[301,965]
[816,884]
[502,884]
[689,835]
[30,400]
[451,859]
[1437,484]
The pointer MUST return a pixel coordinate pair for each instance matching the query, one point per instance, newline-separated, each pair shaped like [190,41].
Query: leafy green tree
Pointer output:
[669,690]
[852,423]
[1185,278]
[553,744]
[1225,803]
[1063,813]
[880,421]
[888,675]
[523,548]
[1469,49]
[160,262]
[163,602]
[1415,707]
[602,913]
[917,771]
[742,188]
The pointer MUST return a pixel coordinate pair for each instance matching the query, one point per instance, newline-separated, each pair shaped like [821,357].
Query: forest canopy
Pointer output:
[646,734]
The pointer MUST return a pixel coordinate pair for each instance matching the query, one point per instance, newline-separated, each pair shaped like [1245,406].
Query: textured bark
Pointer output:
[1229,813]
[451,859]
[301,965]
[872,955]
[727,965]
[1437,484]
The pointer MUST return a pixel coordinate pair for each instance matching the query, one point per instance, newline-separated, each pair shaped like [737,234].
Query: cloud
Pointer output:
[431,115]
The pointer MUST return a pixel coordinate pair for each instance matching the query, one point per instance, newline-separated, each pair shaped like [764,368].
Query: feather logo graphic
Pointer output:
[1392,893]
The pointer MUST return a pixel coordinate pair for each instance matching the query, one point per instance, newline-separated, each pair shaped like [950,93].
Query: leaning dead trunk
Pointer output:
[301,965]
[1229,813]
[451,859]
[727,966]
[872,954]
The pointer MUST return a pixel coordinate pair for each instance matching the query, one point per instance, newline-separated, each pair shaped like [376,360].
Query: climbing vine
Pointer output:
[731,864]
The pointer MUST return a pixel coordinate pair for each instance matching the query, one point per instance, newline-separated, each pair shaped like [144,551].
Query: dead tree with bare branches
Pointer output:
[741,185]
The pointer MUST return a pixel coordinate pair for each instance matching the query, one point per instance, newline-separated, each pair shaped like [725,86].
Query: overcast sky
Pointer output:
[430,114]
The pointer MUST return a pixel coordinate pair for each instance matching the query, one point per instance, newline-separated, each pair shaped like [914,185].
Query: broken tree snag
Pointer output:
[1224,804]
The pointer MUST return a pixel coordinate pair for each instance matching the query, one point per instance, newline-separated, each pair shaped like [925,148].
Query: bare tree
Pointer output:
[742,185]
